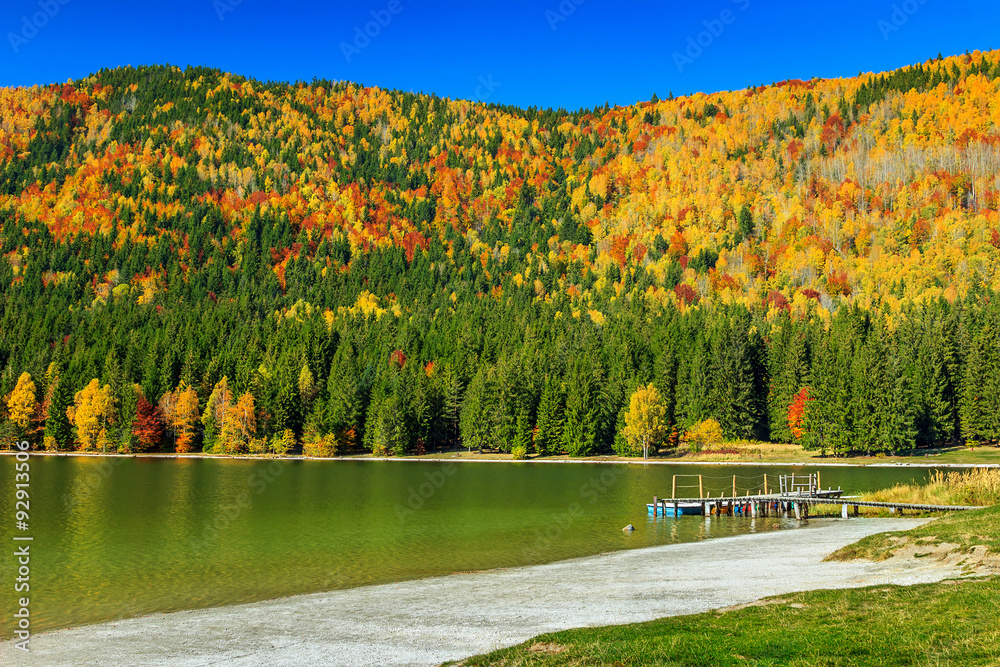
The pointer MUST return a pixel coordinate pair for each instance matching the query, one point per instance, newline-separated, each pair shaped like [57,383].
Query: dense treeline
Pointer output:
[486,372]
[193,260]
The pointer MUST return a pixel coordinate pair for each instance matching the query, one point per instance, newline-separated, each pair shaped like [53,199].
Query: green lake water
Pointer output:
[115,538]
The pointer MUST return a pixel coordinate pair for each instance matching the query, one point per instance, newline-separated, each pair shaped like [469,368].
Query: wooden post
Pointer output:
[676,509]
[701,490]
[819,484]
[798,510]
[843,511]
[673,491]
[856,511]
[656,504]
[734,486]
[765,484]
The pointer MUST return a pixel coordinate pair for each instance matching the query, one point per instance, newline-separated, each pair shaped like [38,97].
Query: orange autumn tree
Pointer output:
[180,410]
[796,412]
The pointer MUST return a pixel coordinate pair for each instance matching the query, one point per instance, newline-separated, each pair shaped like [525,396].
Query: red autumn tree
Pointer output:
[686,294]
[796,412]
[778,300]
[149,426]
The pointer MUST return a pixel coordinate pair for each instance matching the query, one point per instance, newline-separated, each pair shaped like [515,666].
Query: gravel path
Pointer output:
[428,621]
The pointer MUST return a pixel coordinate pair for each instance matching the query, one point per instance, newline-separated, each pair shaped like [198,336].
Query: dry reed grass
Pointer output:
[979,486]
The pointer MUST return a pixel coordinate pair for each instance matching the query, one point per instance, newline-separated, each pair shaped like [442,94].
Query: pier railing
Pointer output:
[796,494]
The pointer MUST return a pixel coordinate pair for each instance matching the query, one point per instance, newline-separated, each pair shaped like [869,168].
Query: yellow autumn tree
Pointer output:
[703,434]
[220,402]
[319,446]
[21,404]
[91,413]
[239,425]
[646,420]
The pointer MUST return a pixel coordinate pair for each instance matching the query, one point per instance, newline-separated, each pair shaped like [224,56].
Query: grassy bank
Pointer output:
[954,623]
[964,530]
[766,452]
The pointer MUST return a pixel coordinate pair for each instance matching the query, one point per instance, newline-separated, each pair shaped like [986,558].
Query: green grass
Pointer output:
[956,455]
[966,529]
[936,624]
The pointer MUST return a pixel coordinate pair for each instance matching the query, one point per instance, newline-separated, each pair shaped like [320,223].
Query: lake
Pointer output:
[118,537]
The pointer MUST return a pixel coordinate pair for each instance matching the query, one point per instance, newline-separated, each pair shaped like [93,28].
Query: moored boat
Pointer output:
[667,509]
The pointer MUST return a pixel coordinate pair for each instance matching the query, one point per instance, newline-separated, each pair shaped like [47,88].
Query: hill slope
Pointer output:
[399,270]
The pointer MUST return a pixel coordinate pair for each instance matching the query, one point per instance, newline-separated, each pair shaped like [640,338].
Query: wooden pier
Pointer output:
[796,494]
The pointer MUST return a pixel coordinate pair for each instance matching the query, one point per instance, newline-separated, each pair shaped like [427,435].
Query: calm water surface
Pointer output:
[114,538]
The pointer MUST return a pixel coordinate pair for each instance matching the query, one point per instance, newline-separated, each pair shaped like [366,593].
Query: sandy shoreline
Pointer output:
[455,459]
[425,622]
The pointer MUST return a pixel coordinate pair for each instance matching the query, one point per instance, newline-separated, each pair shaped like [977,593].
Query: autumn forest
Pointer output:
[194,261]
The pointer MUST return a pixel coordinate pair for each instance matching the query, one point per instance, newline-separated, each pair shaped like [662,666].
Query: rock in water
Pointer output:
[628,529]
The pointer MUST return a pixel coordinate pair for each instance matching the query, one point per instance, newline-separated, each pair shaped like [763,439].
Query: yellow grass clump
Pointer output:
[979,486]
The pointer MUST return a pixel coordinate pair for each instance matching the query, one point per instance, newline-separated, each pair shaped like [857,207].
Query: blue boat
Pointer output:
[683,509]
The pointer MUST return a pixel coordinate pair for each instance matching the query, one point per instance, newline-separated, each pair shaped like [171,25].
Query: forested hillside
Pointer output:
[191,259]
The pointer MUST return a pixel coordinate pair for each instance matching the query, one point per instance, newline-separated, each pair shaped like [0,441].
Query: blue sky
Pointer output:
[559,53]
